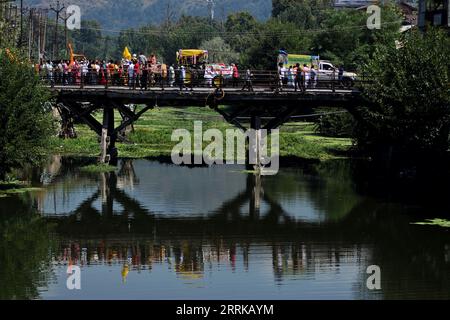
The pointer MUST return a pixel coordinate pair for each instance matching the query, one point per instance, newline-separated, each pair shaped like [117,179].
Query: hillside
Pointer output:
[119,14]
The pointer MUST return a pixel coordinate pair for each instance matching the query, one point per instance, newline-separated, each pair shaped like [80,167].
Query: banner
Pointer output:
[126,54]
[301,59]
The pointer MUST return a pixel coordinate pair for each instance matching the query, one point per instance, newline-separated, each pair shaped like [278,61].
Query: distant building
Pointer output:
[408,9]
[410,13]
[353,3]
[434,13]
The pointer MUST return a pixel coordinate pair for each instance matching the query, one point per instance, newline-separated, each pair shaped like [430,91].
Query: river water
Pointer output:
[152,230]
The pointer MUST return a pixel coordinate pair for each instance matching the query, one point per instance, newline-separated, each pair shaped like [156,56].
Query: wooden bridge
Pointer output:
[268,106]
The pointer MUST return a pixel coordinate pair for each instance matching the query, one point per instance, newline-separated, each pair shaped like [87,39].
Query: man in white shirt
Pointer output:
[307,75]
[131,74]
[171,76]
[49,70]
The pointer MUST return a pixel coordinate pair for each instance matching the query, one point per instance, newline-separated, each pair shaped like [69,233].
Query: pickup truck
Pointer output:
[327,72]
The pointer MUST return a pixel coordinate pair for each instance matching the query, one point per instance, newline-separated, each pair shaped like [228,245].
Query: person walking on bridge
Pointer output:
[182,77]
[280,76]
[313,76]
[49,71]
[299,79]
[341,75]
[137,73]
[235,75]
[131,76]
[144,76]
[142,59]
[84,71]
[306,73]
[59,72]
[248,81]
[171,76]
[209,75]
[65,77]
[291,77]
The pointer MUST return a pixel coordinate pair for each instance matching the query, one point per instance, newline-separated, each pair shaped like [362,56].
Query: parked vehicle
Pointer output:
[326,71]
[192,58]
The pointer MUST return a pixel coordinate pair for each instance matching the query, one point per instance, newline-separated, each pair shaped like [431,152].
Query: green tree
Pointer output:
[410,96]
[269,38]
[239,28]
[345,39]
[220,51]
[25,124]
[280,6]
[338,124]
[306,14]
[188,33]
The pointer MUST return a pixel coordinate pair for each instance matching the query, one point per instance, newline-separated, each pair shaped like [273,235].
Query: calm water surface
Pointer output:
[157,231]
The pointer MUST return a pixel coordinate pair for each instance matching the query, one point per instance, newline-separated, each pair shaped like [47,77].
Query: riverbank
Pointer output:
[152,136]
[8,188]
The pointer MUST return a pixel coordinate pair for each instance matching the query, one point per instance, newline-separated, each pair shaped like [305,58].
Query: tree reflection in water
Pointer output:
[25,250]
[255,224]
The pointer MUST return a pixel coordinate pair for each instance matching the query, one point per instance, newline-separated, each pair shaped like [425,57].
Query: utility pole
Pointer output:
[44,36]
[38,51]
[105,53]
[30,35]
[21,24]
[211,7]
[65,18]
[57,11]
[169,14]
[39,36]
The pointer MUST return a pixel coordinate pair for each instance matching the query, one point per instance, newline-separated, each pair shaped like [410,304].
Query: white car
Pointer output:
[329,72]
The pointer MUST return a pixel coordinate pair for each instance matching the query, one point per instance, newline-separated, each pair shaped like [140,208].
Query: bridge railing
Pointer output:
[194,79]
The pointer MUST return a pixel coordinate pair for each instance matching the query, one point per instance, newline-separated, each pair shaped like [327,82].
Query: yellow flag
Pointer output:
[72,60]
[126,54]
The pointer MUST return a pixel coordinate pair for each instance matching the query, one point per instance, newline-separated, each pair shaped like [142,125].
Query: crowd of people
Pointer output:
[138,72]
[297,77]
[300,77]
[143,72]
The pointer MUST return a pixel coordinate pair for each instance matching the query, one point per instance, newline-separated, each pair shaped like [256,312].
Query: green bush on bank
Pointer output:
[25,123]
[410,97]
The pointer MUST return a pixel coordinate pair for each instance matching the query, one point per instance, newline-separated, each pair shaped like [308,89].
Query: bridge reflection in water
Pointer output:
[305,233]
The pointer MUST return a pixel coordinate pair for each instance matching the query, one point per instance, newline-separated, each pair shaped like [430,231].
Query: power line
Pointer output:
[231,33]
[58,11]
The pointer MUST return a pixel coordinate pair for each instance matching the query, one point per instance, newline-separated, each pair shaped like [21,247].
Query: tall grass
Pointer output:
[152,136]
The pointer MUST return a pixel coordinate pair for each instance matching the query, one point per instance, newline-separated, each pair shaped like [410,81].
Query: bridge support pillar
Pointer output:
[108,138]
[67,130]
[254,184]
[255,143]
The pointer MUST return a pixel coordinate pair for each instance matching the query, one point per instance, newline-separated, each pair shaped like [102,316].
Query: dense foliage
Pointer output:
[336,123]
[25,124]
[309,27]
[410,95]
[117,15]
[25,252]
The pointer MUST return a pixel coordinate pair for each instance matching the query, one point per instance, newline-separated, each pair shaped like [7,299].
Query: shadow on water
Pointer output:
[25,250]
[312,231]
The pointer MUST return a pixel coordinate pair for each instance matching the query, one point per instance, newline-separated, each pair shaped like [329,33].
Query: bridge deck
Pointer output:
[200,96]
[280,105]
